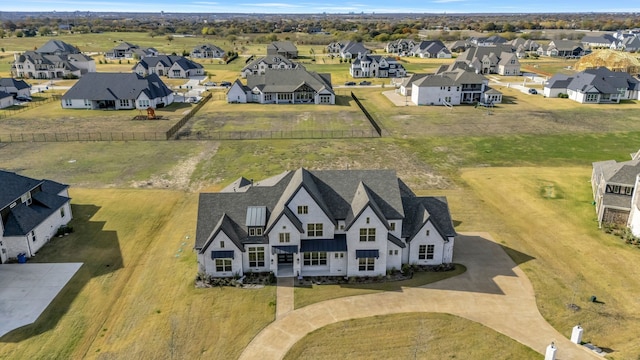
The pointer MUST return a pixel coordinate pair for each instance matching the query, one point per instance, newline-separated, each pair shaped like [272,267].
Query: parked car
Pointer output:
[192,100]
[23,98]
[364,82]
[533,91]
[350,83]
[209,83]
[225,84]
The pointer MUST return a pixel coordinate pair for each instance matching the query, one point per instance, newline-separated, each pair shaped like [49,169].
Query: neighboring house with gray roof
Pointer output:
[127,50]
[628,44]
[376,66]
[31,213]
[498,59]
[598,42]
[15,87]
[352,49]
[595,86]
[614,185]
[562,48]
[285,49]
[260,65]
[321,223]
[207,51]
[430,49]
[54,60]
[488,40]
[453,85]
[400,47]
[284,86]
[171,66]
[117,91]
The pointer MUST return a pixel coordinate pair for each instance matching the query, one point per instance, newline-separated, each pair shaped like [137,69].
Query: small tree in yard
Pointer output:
[169,38]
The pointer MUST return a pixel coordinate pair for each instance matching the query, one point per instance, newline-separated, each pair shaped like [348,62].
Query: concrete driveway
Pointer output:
[27,289]
[493,291]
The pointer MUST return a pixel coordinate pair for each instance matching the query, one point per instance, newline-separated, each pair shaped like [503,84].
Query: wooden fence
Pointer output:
[366,113]
[5,113]
[90,136]
[174,129]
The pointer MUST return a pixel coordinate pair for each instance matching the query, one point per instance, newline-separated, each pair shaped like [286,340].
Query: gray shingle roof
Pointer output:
[288,80]
[270,60]
[11,82]
[167,61]
[23,218]
[4,95]
[57,46]
[113,86]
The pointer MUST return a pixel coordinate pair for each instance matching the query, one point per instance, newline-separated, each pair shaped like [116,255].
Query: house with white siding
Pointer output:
[594,86]
[499,59]
[207,51]
[376,66]
[31,213]
[127,50]
[260,65]
[321,223]
[117,91]
[15,87]
[284,86]
[171,66]
[53,60]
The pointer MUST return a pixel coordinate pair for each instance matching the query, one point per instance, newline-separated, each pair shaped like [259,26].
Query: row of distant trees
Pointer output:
[354,27]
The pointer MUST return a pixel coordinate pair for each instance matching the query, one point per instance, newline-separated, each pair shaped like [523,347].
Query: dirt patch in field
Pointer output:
[179,177]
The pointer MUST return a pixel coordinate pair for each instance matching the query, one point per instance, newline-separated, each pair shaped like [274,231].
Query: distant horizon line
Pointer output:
[312,13]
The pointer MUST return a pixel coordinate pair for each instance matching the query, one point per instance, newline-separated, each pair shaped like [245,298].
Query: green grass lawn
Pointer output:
[409,336]
[309,295]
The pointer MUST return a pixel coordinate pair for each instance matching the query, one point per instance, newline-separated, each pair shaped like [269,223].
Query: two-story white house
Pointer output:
[260,65]
[366,65]
[53,60]
[321,223]
[31,213]
[171,66]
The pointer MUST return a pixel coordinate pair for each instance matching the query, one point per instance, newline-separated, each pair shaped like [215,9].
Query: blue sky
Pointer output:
[329,6]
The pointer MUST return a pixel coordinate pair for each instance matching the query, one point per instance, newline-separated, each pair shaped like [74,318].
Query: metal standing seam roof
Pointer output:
[372,253]
[338,243]
[256,216]
[225,254]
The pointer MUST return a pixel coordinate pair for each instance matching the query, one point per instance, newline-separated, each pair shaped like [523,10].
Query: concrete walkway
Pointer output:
[27,289]
[493,291]
[284,296]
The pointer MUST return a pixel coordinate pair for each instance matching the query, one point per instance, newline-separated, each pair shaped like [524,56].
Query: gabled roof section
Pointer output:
[424,209]
[288,80]
[362,199]
[57,47]
[229,228]
[113,86]
[11,82]
[14,186]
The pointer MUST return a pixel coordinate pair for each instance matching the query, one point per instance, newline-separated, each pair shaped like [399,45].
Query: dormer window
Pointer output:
[255,231]
[26,198]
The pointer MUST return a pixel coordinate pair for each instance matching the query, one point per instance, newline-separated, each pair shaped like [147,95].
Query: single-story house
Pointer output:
[285,49]
[284,86]
[594,86]
[15,87]
[376,66]
[130,51]
[171,66]
[207,51]
[260,65]
[31,213]
[117,91]
[562,48]
[321,223]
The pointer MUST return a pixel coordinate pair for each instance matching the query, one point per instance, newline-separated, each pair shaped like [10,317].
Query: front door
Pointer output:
[285,259]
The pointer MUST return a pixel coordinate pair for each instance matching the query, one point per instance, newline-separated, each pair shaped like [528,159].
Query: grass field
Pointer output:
[409,336]
[520,172]
[134,296]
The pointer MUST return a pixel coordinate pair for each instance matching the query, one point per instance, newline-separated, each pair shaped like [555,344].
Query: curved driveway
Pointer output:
[493,291]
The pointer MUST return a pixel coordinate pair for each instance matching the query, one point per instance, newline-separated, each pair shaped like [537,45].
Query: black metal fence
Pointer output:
[366,113]
[8,112]
[174,129]
[91,136]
